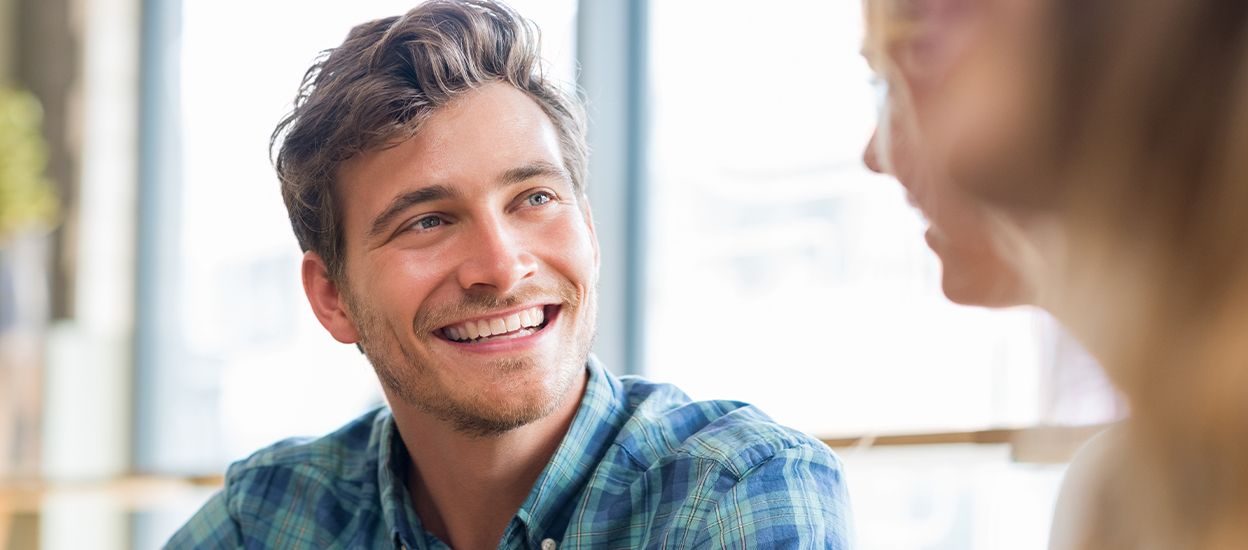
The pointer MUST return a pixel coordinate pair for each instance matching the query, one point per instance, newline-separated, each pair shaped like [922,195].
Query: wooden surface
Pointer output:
[130,493]
[1036,445]
[1028,445]
[1042,445]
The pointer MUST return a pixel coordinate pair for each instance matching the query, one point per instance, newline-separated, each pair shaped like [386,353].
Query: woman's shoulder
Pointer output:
[1079,484]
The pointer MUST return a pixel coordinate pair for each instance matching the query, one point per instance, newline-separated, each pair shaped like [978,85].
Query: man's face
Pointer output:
[961,229]
[471,265]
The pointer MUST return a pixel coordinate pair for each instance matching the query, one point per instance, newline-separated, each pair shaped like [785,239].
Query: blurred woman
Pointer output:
[910,64]
[1108,143]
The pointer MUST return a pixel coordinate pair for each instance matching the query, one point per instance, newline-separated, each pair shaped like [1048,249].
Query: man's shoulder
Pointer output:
[711,474]
[309,492]
[340,461]
[665,425]
[344,448]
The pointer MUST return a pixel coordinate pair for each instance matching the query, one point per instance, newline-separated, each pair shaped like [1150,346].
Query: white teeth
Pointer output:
[471,330]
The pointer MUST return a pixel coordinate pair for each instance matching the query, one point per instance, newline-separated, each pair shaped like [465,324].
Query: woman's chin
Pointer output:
[982,284]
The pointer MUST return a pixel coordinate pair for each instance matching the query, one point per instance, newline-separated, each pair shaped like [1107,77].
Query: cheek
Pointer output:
[570,248]
[976,115]
[985,111]
[402,281]
[963,220]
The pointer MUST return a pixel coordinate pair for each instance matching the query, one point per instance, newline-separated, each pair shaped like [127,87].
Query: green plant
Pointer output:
[26,195]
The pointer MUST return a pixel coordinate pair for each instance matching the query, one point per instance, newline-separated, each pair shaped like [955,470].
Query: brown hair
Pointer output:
[386,78]
[1148,150]
[1140,154]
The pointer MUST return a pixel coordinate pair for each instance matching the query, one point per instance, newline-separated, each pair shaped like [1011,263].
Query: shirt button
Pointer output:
[549,544]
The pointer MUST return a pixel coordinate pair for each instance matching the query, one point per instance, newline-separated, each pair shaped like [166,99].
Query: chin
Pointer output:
[976,276]
[961,295]
[988,292]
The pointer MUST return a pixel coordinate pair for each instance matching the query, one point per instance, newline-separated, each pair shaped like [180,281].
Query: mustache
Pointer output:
[482,302]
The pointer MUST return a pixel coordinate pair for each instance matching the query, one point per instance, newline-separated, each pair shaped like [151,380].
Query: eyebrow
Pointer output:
[408,200]
[532,170]
[442,192]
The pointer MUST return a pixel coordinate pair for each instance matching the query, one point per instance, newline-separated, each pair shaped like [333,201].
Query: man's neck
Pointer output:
[466,489]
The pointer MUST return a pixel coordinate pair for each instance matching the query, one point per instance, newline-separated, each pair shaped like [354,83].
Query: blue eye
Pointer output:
[539,198]
[428,222]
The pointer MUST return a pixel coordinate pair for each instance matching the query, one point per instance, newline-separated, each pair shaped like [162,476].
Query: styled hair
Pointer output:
[375,90]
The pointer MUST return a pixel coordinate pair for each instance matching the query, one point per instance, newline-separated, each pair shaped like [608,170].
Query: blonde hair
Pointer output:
[1139,151]
[1149,140]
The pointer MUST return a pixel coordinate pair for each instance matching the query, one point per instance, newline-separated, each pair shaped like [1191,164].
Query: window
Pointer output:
[780,272]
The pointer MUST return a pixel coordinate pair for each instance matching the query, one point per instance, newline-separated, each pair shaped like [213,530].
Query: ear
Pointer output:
[327,302]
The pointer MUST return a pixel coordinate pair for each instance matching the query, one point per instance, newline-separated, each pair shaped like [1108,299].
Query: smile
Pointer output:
[518,324]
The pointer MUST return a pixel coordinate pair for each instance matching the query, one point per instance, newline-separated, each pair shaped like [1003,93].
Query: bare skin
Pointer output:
[466,490]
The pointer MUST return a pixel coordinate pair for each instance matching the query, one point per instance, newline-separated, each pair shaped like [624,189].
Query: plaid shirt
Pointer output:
[642,466]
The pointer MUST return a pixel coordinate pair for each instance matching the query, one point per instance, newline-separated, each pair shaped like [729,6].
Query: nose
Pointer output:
[869,155]
[496,258]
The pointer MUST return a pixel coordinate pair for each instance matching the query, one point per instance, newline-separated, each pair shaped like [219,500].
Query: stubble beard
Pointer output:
[409,378]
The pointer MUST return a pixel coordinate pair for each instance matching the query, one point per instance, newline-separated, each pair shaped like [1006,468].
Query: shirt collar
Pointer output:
[396,505]
[548,508]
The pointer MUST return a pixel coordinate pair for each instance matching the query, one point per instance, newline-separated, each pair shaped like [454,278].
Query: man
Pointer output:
[436,182]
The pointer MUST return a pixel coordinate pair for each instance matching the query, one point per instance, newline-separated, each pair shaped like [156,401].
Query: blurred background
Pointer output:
[153,328]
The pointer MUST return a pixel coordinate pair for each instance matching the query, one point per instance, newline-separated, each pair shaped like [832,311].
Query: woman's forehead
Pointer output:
[918,37]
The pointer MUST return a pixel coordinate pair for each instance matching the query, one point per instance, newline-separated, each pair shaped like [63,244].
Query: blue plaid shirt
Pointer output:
[642,466]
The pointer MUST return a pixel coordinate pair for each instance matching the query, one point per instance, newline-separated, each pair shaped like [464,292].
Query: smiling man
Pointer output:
[436,182]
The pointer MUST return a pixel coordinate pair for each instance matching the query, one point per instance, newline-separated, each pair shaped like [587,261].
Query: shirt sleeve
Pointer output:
[210,527]
[795,499]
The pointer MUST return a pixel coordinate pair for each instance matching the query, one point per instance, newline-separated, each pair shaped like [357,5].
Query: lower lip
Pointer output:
[510,345]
